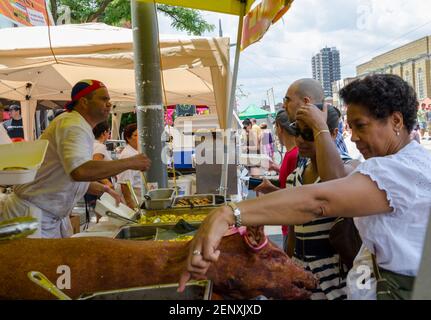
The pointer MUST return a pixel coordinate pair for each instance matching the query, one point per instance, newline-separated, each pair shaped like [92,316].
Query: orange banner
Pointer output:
[258,20]
[25,12]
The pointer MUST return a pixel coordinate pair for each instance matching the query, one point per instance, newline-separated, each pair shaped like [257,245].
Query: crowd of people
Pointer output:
[257,139]
[423,121]
[387,195]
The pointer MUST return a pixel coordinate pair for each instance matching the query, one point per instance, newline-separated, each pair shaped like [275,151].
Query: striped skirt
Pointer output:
[331,286]
[314,253]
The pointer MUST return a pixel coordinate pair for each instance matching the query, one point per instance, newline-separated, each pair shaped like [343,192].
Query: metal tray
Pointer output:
[212,199]
[143,231]
[137,232]
[159,199]
[20,227]
[177,212]
[196,290]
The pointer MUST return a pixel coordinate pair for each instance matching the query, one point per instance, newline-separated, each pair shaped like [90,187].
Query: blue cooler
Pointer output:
[183,159]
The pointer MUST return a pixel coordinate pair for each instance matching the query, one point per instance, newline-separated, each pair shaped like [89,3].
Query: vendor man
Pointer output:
[14,125]
[68,169]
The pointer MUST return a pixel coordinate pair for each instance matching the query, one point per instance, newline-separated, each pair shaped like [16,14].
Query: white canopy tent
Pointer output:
[195,70]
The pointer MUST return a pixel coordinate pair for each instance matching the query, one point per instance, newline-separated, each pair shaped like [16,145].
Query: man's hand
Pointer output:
[139,162]
[313,117]
[266,187]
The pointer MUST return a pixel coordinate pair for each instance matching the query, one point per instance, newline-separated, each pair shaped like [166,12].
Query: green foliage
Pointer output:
[80,9]
[117,13]
[186,19]
[127,118]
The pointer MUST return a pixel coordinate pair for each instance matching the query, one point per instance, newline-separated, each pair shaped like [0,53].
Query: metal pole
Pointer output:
[220,30]
[150,112]
[269,100]
[227,137]
[273,100]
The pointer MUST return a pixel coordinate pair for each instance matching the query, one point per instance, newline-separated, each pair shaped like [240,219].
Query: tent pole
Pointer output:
[232,100]
[150,113]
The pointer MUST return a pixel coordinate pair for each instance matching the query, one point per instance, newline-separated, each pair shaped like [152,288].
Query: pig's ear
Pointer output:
[255,237]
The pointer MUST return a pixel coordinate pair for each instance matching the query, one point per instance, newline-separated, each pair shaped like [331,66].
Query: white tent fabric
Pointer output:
[195,70]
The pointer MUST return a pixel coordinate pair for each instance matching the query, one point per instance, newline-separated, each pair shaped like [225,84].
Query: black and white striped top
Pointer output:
[312,248]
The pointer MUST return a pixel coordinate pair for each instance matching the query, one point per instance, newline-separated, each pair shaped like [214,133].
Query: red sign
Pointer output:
[25,12]
[258,20]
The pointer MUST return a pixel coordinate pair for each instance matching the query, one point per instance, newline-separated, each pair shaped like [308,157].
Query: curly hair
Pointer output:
[382,95]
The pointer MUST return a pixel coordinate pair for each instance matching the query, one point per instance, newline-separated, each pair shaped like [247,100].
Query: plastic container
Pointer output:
[120,215]
[20,161]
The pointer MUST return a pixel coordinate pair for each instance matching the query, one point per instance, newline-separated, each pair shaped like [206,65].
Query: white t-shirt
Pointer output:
[397,237]
[100,148]
[134,176]
[70,145]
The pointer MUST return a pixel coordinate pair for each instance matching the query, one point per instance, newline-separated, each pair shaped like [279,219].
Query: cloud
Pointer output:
[360,29]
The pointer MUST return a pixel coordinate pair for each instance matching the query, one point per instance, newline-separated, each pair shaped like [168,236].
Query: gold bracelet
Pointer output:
[321,131]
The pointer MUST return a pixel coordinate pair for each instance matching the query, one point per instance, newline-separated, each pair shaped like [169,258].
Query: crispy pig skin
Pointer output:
[99,264]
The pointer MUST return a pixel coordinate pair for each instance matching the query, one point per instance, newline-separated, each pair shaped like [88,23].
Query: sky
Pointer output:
[359,29]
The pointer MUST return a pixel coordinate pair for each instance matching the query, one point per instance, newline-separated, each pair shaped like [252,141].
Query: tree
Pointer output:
[117,12]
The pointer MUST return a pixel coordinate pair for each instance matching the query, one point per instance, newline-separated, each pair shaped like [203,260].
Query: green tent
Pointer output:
[253,111]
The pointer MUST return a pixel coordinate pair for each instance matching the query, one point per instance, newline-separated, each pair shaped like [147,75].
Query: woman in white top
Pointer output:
[101,135]
[389,194]
[134,176]
[100,152]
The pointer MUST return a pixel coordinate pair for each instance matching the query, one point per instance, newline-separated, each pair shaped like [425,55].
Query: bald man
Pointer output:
[305,91]
[301,92]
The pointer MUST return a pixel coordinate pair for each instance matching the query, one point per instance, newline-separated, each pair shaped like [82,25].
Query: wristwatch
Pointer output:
[236,214]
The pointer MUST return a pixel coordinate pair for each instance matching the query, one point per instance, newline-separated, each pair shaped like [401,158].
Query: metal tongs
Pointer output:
[43,282]
[116,216]
[18,228]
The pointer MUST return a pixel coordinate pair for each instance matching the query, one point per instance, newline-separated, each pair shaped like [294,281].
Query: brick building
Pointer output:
[410,61]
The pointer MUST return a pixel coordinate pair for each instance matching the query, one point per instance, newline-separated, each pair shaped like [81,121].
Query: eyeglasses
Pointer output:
[306,134]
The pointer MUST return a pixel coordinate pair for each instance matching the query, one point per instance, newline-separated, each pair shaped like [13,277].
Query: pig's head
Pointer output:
[242,272]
